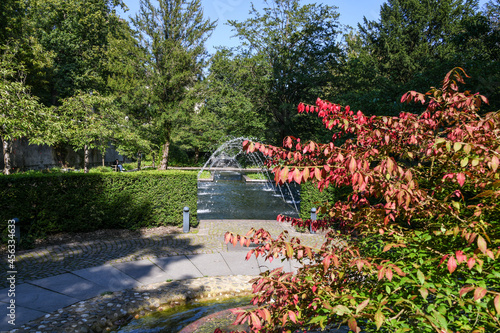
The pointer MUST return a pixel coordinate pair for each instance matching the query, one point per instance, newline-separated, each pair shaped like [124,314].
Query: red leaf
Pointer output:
[494,163]
[381,273]
[461,179]
[227,237]
[388,274]
[481,244]
[297,176]
[461,257]
[496,302]
[317,173]
[326,263]
[471,262]
[465,290]
[479,293]
[452,264]
[292,316]
[353,325]
[305,174]
[284,174]
[362,305]
[267,315]
[255,321]
[352,165]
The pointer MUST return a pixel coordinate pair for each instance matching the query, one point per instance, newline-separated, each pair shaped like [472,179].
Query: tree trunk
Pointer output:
[86,158]
[153,155]
[139,155]
[196,155]
[103,155]
[7,148]
[164,161]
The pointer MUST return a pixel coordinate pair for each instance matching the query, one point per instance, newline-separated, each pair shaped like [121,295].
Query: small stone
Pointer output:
[110,304]
[47,316]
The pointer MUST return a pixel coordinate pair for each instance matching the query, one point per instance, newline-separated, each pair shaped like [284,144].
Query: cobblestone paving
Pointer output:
[207,238]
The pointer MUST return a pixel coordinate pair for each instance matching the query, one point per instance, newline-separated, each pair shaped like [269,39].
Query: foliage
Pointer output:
[205,175]
[127,81]
[311,197]
[88,121]
[173,35]
[76,33]
[77,202]
[101,169]
[416,244]
[20,113]
[412,45]
[297,49]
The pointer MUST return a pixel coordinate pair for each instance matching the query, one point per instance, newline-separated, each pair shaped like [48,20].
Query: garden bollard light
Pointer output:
[17,229]
[313,218]
[185,223]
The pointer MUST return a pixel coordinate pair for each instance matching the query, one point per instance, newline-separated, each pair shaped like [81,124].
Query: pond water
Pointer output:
[230,197]
[175,319]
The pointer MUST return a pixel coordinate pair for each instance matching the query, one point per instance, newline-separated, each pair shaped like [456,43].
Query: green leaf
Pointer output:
[464,162]
[379,318]
[421,277]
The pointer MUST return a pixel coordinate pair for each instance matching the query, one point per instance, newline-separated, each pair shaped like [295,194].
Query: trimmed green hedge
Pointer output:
[77,202]
[311,197]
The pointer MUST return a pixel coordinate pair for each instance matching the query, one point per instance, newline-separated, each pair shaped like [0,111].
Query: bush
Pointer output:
[101,169]
[312,197]
[421,243]
[77,202]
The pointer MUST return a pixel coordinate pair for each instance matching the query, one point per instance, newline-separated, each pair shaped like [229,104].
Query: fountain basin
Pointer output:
[198,316]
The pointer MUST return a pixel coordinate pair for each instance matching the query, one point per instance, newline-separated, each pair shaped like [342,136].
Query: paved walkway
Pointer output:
[54,277]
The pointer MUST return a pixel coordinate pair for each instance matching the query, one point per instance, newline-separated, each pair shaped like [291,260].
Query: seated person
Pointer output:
[118,165]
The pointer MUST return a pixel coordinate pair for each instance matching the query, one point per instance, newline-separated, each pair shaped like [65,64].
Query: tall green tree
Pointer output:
[76,33]
[128,82]
[300,46]
[174,34]
[90,121]
[21,115]
[413,44]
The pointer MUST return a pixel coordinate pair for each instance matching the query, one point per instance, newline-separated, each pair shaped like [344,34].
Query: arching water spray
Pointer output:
[230,157]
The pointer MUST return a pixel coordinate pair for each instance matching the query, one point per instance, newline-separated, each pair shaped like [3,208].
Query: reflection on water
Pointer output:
[230,197]
[175,319]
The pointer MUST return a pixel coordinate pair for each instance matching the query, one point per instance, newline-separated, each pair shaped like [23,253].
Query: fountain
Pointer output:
[231,196]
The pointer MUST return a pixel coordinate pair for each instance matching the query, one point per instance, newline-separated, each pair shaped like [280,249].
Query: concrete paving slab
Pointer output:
[212,264]
[111,278]
[178,267]
[71,285]
[40,299]
[144,271]
[4,295]
[22,316]
[239,266]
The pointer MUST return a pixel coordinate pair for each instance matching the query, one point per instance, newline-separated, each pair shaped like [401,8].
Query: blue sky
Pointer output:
[351,12]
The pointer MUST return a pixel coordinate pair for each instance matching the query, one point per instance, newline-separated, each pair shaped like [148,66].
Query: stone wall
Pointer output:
[35,157]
